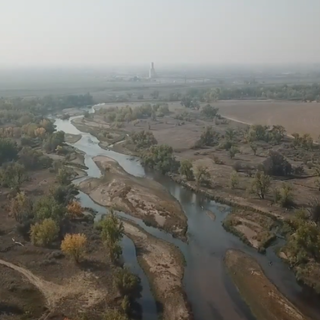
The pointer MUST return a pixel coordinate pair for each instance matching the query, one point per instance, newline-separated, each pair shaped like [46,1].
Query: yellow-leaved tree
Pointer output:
[74,245]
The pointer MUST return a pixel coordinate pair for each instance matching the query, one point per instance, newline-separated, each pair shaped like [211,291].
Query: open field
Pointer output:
[301,117]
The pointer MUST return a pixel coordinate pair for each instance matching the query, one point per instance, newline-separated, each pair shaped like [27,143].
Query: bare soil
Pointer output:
[263,298]
[139,197]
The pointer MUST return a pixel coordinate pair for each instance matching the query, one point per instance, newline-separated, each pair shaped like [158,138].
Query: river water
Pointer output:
[207,285]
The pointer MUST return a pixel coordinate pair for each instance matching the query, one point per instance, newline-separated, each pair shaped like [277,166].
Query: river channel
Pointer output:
[207,285]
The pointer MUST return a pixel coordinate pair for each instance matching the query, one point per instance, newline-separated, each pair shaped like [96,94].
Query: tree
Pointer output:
[44,233]
[47,125]
[12,175]
[234,180]
[233,151]
[254,148]
[63,194]
[64,176]
[260,184]
[8,150]
[143,139]
[202,175]
[111,234]
[286,196]
[161,158]
[74,209]
[21,207]
[127,283]
[186,169]
[74,245]
[47,207]
[208,138]
[230,134]
[277,165]
[209,112]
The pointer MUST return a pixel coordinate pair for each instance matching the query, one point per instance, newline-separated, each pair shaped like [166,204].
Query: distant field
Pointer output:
[294,116]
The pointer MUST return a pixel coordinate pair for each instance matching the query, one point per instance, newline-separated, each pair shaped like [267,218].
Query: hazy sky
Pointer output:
[105,32]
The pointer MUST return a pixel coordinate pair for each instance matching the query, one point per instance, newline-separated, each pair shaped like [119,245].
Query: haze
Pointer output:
[106,32]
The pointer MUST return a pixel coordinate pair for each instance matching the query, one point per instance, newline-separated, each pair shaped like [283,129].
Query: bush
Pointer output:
[127,283]
[260,184]
[217,160]
[74,245]
[234,180]
[114,314]
[44,233]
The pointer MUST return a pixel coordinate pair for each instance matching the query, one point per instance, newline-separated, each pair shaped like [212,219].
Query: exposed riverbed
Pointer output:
[206,282]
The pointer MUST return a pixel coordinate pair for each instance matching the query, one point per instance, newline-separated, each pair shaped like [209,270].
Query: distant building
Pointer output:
[152,72]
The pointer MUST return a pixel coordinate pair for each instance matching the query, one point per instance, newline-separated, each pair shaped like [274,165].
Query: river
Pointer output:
[207,285]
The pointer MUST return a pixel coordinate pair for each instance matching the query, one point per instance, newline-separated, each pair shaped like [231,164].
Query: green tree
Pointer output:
[127,283]
[208,138]
[21,207]
[209,112]
[260,184]
[64,177]
[202,175]
[143,139]
[233,151]
[161,158]
[12,175]
[44,233]
[230,134]
[8,150]
[186,169]
[47,207]
[111,234]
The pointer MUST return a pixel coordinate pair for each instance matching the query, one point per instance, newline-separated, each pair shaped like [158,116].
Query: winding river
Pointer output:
[208,287]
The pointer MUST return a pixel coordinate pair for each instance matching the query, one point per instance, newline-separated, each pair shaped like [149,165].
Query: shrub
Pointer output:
[234,180]
[44,233]
[217,160]
[186,169]
[127,283]
[233,151]
[202,175]
[74,245]
[114,314]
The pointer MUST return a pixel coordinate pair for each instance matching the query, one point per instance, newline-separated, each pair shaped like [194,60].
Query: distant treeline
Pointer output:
[12,109]
[279,92]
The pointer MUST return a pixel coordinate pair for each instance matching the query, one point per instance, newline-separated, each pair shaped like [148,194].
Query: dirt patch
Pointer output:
[264,299]
[163,264]
[140,197]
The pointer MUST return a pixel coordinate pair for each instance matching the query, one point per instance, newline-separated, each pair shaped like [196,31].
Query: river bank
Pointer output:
[264,299]
[140,197]
[163,263]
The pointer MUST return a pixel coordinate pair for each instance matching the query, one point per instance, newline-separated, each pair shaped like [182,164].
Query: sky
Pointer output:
[129,32]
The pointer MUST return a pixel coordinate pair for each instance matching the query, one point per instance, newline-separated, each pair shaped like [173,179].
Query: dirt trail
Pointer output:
[83,284]
[51,291]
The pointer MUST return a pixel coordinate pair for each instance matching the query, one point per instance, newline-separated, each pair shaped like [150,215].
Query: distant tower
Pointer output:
[152,72]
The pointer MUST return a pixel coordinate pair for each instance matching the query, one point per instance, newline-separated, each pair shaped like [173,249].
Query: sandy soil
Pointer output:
[163,264]
[301,117]
[140,197]
[265,301]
